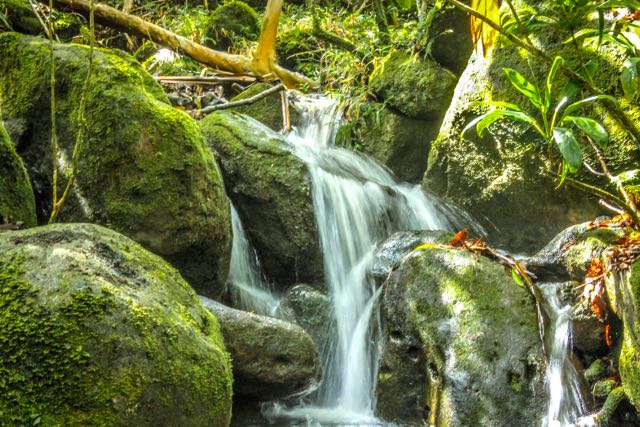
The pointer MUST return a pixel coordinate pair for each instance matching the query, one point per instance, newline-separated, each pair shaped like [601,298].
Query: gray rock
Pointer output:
[96,329]
[548,263]
[271,190]
[271,358]
[461,344]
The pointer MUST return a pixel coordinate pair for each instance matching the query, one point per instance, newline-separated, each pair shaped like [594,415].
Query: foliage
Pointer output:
[484,36]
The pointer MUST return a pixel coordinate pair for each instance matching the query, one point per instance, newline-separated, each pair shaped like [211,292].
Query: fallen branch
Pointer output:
[237,64]
[205,80]
[11,227]
[241,103]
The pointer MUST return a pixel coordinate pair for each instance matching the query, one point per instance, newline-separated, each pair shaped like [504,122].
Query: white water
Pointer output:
[249,290]
[357,204]
[566,405]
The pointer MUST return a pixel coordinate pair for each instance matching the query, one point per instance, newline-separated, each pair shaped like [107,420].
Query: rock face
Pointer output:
[95,328]
[271,190]
[144,170]
[17,203]
[504,177]
[267,110]
[450,36]
[418,88]
[398,142]
[231,19]
[271,358]
[461,344]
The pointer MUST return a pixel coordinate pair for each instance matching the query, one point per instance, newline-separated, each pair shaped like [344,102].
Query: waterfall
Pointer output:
[249,289]
[357,203]
[566,406]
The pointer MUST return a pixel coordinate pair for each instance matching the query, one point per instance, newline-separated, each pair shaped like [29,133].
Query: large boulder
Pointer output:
[271,190]
[17,203]
[398,142]
[144,169]
[418,88]
[95,329]
[461,344]
[231,20]
[504,178]
[271,358]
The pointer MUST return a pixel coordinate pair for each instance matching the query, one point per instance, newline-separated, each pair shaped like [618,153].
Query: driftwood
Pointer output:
[277,88]
[261,64]
[205,80]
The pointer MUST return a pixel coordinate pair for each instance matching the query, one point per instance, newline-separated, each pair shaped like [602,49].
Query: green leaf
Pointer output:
[557,62]
[588,101]
[495,115]
[516,277]
[591,127]
[569,90]
[524,86]
[630,78]
[563,176]
[568,146]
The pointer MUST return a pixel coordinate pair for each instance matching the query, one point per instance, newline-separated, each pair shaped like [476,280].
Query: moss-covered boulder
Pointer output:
[20,17]
[271,358]
[418,88]
[398,142]
[17,203]
[461,344]
[234,19]
[267,110]
[504,179]
[271,190]
[144,170]
[95,330]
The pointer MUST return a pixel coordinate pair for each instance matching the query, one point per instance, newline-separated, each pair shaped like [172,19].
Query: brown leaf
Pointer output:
[459,238]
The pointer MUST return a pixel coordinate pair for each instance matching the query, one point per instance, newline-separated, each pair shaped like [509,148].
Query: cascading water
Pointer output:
[566,405]
[249,290]
[357,204]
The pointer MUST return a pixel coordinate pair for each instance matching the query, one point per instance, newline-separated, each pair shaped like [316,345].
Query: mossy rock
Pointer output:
[504,179]
[95,330]
[267,110]
[17,202]
[231,20]
[418,88]
[271,190]
[398,142]
[144,169]
[461,344]
[20,17]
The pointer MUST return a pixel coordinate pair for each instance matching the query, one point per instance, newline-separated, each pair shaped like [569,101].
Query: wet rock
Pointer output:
[450,36]
[588,332]
[94,328]
[461,344]
[418,88]
[144,169]
[390,252]
[267,110]
[504,178]
[310,309]
[17,203]
[271,190]
[548,263]
[271,358]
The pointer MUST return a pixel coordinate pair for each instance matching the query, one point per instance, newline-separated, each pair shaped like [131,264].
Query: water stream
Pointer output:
[358,203]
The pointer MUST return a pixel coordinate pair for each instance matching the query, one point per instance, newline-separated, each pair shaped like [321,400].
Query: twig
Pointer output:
[242,102]
[286,118]
[205,80]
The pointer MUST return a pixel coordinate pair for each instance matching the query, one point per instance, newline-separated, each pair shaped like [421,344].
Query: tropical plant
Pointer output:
[556,125]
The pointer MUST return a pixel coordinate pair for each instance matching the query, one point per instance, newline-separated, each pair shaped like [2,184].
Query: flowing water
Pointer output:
[564,383]
[358,203]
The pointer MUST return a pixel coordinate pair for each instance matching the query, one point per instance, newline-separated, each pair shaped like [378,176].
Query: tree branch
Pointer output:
[242,102]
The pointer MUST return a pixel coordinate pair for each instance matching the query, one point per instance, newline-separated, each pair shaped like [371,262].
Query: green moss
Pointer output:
[601,389]
[229,20]
[596,371]
[145,169]
[17,202]
[267,110]
[20,16]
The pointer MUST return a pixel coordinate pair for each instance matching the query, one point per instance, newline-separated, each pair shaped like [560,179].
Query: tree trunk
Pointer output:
[236,64]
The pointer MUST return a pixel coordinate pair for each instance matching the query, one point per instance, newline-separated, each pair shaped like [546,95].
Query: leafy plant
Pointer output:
[556,124]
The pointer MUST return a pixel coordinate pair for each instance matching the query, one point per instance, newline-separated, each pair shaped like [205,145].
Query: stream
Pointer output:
[358,203]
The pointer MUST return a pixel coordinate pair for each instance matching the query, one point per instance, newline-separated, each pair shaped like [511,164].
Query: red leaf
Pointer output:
[460,237]
[607,335]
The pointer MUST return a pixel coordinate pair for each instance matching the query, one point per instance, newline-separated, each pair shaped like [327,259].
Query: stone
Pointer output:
[461,344]
[271,358]
[144,169]
[228,21]
[271,189]
[267,110]
[17,202]
[96,329]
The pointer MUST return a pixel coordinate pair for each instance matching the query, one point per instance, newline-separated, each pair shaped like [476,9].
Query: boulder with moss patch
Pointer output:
[145,169]
[461,344]
[231,20]
[17,202]
[504,178]
[271,190]
[267,110]
[95,329]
